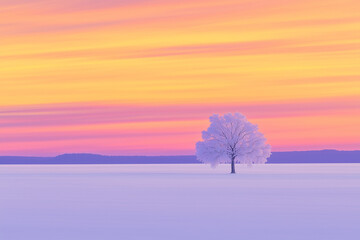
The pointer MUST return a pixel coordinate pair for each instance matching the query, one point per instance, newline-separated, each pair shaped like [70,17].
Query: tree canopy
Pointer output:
[232,138]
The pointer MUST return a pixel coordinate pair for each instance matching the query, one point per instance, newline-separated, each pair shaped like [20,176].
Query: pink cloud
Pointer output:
[95,113]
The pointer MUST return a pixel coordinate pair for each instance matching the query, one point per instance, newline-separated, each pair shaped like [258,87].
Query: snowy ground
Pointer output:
[125,202]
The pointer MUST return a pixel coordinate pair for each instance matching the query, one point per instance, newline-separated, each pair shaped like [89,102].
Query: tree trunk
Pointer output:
[232,165]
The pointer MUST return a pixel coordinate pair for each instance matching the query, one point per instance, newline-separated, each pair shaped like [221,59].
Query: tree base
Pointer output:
[232,165]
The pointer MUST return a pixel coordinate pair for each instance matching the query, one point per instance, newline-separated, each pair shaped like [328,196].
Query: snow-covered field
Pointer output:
[125,202]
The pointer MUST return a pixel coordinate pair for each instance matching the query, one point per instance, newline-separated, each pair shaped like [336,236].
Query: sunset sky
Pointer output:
[137,77]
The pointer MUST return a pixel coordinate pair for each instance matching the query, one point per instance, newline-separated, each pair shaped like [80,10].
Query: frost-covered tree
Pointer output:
[232,138]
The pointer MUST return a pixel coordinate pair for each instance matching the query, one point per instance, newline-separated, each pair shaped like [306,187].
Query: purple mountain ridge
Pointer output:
[320,156]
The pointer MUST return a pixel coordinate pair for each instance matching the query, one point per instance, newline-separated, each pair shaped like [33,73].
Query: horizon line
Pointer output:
[106,155]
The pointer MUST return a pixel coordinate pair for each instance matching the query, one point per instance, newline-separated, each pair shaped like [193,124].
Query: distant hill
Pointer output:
[85,158]
[321,156]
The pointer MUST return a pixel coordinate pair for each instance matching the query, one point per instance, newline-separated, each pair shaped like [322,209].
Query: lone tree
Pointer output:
[232,138]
